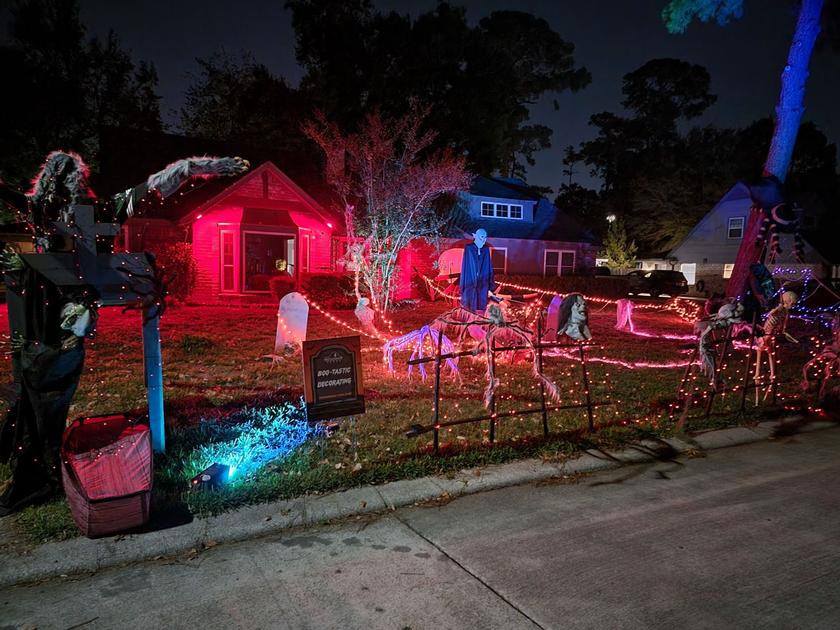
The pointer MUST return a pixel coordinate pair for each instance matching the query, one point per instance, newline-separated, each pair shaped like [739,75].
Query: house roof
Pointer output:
[199,195]
[738,192]
[550,223]
[502,188]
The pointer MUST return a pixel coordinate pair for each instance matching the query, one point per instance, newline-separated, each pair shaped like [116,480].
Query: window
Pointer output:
[499,258]
[501,210]
[551,262]
[727,270]
[266,256]
[558,262]
[305,240]
[228,261]
[736,227]
[567,263]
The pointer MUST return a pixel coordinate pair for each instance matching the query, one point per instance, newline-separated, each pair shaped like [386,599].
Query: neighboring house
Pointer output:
[706,256]
[526,232]
[245,232]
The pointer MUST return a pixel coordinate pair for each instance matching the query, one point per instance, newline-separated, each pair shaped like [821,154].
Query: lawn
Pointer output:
[216,379]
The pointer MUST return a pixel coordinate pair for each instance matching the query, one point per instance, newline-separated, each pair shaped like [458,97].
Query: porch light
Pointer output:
[329,225]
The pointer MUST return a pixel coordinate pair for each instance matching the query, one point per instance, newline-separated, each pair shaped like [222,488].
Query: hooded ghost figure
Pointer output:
[49,323]
[476,273]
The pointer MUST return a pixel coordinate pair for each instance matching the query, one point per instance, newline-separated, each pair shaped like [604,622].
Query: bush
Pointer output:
[176,262]
[333,291]
[595,286]
[281,285]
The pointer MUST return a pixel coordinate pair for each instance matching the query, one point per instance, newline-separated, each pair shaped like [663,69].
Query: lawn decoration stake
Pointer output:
[52,297]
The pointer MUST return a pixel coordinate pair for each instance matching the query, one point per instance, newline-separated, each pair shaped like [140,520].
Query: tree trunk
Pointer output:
[788,117]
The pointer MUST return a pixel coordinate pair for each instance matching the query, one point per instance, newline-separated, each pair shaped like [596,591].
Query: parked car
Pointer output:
[656,282]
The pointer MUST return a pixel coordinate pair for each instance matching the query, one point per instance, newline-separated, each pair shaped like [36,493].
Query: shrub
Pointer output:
[595,286]
[178,266]
[281,285]
[334,291]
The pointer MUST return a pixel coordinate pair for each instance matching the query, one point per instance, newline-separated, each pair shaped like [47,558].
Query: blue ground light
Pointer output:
[265,435]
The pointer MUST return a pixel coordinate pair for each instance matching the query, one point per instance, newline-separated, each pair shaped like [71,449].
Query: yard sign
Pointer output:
[332,377]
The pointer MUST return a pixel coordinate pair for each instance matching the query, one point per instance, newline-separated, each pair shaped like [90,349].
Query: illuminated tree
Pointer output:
[619,250]
[387,183]
[677,15]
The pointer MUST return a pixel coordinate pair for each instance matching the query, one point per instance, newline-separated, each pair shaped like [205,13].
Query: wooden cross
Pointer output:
[119,279]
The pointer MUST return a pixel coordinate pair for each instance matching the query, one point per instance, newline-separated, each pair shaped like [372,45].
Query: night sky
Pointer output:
[612,37]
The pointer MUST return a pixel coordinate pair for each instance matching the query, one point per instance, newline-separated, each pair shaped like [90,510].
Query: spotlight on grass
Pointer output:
[213,476]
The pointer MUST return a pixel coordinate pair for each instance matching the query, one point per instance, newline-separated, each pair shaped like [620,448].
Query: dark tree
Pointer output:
[240,100]
[61,87]
[477,81]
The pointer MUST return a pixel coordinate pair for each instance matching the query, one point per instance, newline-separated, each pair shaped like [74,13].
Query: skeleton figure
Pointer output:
[48,322]
[774,326]
[727,315]
[825,364]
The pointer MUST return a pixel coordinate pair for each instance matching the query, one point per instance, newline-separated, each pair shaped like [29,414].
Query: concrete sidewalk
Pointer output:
[82,555]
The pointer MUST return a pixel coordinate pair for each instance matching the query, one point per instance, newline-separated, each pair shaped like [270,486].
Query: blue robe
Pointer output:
[476,277]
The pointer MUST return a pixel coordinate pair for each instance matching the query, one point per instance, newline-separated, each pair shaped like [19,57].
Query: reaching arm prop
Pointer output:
[170,179]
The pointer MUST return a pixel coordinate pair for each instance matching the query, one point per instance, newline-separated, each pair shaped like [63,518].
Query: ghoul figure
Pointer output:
[48,322]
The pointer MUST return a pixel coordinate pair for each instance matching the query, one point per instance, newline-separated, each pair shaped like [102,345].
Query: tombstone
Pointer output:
[552,322]
[624,315]
[119,279]
[292,319]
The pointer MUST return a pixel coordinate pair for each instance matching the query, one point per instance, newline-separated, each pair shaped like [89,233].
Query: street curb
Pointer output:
[83,555]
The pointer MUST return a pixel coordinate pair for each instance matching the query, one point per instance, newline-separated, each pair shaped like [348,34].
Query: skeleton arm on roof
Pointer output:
[170,179]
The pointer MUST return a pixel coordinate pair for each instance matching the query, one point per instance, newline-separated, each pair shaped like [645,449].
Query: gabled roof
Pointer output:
[550,223]
[225,187]
[740,191]
[502,188]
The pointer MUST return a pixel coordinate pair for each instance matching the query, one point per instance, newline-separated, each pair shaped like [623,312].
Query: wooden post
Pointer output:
[747,369]
[718,369]
[542,385]
[586,387]
[153,375]
[437,389]
[681,389]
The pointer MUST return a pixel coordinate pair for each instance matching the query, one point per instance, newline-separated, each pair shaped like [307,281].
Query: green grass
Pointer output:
[213,373]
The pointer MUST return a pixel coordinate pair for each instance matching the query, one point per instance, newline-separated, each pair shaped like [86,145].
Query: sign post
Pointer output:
[332,378]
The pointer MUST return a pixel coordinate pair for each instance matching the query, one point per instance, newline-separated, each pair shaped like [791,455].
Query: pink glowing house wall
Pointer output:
[241,233]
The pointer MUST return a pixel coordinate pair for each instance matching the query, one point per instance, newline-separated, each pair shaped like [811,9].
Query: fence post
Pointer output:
[437,389]
[542,385]
[493,395]
[748,365]
[718,370]
[586,386]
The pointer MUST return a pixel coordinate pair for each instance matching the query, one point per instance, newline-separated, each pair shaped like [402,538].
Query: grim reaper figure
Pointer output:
[48,323]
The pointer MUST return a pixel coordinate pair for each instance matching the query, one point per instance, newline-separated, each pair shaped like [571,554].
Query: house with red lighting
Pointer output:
[527,234]
[246,233]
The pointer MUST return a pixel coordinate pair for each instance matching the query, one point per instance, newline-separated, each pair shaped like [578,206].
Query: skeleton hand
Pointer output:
[229,166]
